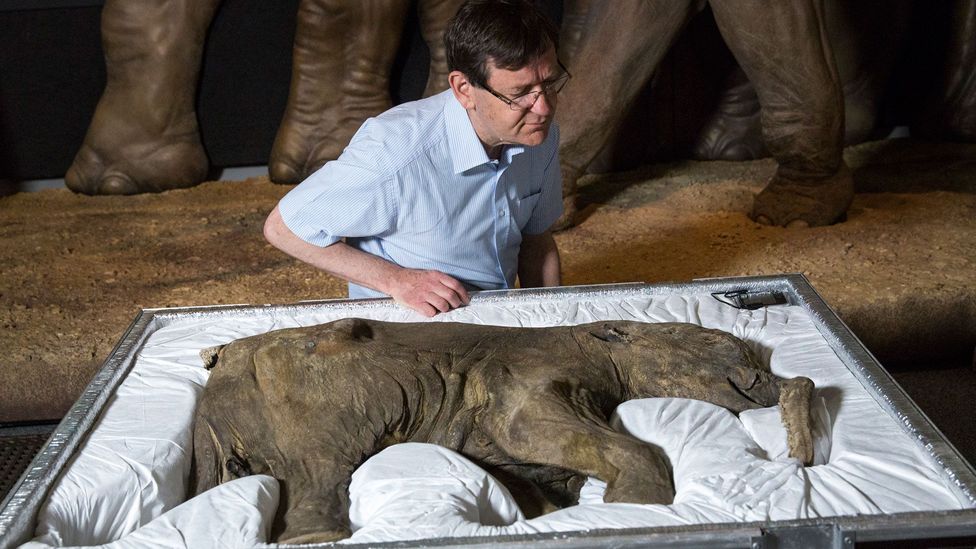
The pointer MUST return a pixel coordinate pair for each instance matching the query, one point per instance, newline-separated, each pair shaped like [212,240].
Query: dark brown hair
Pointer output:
[509,33]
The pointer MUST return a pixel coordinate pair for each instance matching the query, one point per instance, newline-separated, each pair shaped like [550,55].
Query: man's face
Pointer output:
[496,123]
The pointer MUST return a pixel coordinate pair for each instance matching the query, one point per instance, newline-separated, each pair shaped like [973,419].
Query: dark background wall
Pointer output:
[52,73]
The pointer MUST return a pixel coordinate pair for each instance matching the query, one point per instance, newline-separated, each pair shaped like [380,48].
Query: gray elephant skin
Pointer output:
[531,405]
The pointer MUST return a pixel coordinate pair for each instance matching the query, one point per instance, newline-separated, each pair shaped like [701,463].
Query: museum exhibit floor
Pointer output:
[899,271]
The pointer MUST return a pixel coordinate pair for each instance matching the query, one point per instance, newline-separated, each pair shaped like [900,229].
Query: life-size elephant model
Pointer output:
[308,405]
[866,38]
[784,51]
[144,135]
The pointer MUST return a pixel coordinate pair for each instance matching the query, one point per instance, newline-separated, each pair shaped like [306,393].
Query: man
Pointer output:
[451,193]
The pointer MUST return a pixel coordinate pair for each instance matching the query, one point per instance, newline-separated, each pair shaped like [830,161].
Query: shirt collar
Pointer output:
[466,149]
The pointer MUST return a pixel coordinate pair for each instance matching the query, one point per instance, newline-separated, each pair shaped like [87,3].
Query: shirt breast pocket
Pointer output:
[526,205]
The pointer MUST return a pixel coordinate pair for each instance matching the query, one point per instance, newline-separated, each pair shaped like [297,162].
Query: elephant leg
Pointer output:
[618,48]
[576,14]
[784,51]
[435,15]
[341,65]
[959,111]
[864,37]
[553,431]
[144,135]
[734,131]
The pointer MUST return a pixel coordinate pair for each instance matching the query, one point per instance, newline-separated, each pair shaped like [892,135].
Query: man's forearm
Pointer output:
[339,259]
[427,292]
[539,261]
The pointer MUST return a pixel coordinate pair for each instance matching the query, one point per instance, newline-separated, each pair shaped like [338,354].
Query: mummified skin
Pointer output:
[309,405]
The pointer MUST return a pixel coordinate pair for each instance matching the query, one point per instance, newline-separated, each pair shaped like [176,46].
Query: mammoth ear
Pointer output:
[611,335]
[356,328]
[210,356]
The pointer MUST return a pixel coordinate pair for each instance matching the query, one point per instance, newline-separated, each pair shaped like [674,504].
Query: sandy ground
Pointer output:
[900,271]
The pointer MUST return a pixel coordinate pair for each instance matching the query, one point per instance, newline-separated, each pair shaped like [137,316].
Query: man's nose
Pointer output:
[544,105]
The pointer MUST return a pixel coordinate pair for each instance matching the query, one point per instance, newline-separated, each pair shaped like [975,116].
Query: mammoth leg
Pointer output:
[434,18]
[558,432]
[784,51]
[615,53]
[340,77]
[794,405]
[144,135]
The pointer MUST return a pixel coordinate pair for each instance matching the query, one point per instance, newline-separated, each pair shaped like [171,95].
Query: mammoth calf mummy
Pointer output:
[531,405]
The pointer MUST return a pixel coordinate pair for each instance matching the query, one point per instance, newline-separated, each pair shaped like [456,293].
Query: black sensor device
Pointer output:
[745,299]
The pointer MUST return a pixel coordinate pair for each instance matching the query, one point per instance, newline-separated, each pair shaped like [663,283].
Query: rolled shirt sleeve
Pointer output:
[347,197]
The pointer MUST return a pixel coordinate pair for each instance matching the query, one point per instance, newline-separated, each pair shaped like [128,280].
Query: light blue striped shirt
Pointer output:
[415,187]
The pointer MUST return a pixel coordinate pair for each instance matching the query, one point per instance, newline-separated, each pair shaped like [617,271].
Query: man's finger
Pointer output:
[458,289]
[450,295]
[439,303]
[423,308]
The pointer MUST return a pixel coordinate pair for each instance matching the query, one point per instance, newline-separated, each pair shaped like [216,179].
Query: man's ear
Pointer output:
[462,88]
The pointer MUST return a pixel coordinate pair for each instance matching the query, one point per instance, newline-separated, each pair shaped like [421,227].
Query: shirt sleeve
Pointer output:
[550,205]
[351,196]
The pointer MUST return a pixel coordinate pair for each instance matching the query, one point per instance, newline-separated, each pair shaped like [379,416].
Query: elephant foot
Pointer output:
[734,132]
[152,165]
[303,146]
[796,204]
[962,126]
[727,138]
[570,216]
[132,148]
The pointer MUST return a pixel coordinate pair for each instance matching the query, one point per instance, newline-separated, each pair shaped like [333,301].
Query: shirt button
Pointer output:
[501,213]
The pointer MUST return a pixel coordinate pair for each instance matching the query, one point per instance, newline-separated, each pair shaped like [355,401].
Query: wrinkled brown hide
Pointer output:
[866,38]
[144,135]
[783,49]
[309,405]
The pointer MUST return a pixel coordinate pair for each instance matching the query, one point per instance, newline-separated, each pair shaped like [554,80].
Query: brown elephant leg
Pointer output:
[144,135]
[340,77]
[734,132]
[864,37]
[959,113]
[783,49]
[434,18]
[576,13]
[618,49]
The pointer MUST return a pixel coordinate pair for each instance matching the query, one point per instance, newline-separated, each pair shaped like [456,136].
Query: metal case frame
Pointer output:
[19,509]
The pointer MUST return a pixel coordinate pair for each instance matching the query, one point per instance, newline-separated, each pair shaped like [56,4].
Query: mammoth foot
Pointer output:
[304,143]
[317,537]
[794,404]
[127,152]
[808,204]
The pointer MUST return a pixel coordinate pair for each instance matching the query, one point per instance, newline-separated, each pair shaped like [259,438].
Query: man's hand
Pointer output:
[427,292]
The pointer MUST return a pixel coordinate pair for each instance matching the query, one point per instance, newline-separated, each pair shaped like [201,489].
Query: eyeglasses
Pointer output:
[527,100]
